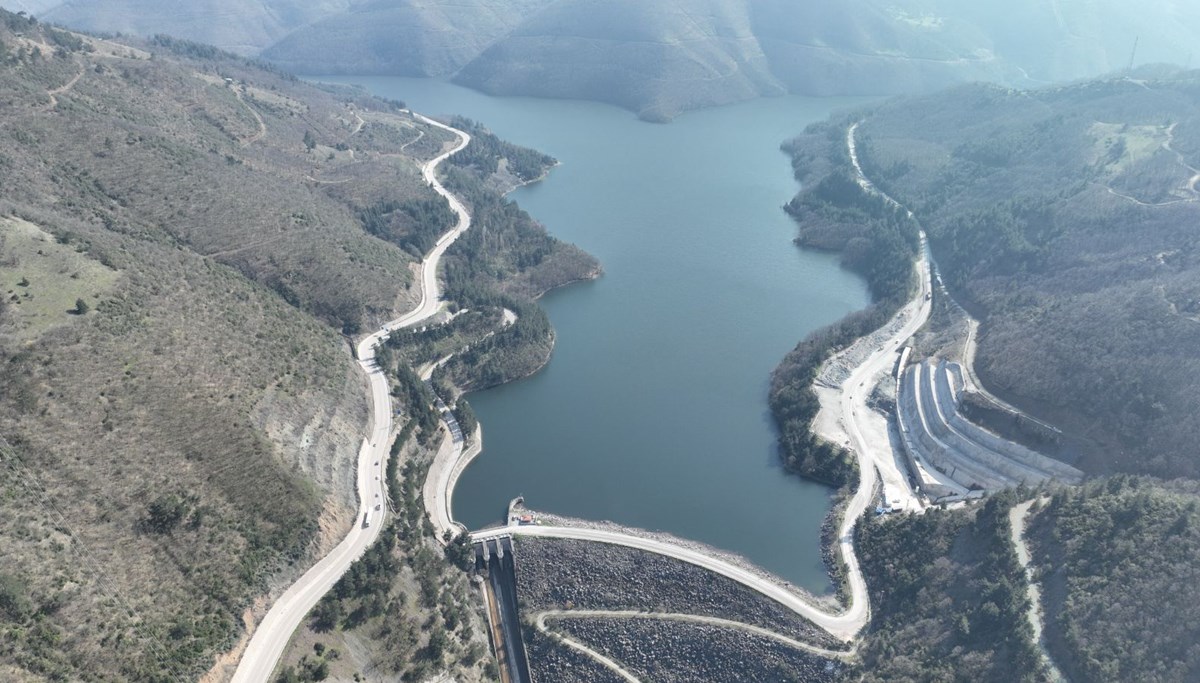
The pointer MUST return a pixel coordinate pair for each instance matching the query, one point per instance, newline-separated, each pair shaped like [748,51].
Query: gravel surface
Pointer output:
[550,662]
[671,652]
[837,369]
[827,601]
[567,574]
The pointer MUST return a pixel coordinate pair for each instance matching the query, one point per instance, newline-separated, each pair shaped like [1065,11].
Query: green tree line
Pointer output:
[876,241]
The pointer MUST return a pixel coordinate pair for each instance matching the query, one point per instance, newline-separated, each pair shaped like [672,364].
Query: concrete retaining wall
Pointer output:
[924,439]
[990,464]
[948,384]
[933,430]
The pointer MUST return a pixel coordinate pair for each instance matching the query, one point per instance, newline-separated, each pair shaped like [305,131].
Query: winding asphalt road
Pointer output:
[271,637]
[854,404]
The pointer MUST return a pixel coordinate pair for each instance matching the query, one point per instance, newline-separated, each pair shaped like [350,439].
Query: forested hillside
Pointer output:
[1118,561]
[947,598]
[875,240]
[1064,219]
[661,58]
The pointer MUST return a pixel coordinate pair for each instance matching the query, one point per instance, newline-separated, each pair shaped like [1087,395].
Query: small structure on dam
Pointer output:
[935,434]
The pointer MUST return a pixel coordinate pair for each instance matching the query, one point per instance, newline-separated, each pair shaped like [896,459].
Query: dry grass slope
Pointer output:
[183,442]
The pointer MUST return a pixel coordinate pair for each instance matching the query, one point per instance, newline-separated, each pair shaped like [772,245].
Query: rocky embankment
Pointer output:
[671,652]
[550,661]
[566,574]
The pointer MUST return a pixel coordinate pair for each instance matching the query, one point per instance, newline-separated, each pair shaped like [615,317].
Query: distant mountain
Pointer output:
[402,37]
[655,58]
[661,58]
[241,26]
[30,6]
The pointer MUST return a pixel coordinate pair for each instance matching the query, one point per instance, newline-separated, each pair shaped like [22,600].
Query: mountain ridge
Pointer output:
[660,59]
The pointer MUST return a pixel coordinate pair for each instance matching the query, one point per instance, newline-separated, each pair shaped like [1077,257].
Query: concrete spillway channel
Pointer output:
[496,556]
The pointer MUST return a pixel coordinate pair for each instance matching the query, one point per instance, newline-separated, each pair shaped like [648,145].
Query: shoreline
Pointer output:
[448,465]
[848,612]
[836,539]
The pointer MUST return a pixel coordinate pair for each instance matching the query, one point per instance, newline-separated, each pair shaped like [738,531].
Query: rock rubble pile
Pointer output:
[674,652]
[554,574]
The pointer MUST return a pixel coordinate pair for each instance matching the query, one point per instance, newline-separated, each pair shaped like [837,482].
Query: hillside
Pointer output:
[1118,563]
[1061,218]
[659,59]
[662,58]
[947,599]
[177,437]
[1116,560]
[240,26]
[398,37]
[184,237]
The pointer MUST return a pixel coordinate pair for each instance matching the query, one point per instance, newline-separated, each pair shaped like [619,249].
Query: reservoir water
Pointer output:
[653,410]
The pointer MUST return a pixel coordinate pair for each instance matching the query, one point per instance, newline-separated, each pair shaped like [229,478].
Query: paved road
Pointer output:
[861,178]
[272,635]
[844,625]
[854,409]
[872,443]
[438,491]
